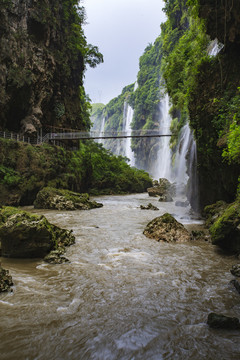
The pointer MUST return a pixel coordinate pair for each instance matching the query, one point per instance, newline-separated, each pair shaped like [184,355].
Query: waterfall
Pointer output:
[184,171]
[101,132]
[186,167]
[214,47]
[163,168]
[127,119]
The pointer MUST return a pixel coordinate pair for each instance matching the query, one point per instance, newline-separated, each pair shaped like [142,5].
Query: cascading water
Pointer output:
[128,116]
[163,168]
[185,166]
[101,132]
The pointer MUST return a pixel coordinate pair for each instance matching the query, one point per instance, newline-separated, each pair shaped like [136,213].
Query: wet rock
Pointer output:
[162,188]
[56,257]
[182,203]
[149,207]
[58,199]
[24,235]
[5,280]
[235,270]
[165,198]
[225,231]
[236,284]
[166,228]
[218,321]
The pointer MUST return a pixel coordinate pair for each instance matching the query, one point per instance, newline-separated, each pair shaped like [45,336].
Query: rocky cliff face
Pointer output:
[217,84]
[41,68]
[222,20]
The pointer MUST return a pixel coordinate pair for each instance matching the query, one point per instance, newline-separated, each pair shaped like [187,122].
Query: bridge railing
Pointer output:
[10,135]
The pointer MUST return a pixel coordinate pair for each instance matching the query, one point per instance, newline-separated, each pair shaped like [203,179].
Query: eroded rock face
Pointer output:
[39,76]
[166,228]
[57,199]
[24,235]
[222,20]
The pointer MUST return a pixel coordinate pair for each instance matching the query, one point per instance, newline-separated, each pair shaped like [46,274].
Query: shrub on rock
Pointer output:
[58,199]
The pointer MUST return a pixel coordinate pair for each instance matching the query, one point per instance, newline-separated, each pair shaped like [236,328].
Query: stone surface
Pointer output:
[166,228]
[56,257]
[162,188]
[58,199]
[5,280]
[218,321]
[24,235]
[40,74]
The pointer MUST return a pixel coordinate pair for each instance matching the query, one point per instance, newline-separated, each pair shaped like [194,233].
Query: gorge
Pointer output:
[120,295]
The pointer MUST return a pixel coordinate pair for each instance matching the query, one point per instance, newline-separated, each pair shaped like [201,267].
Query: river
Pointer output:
[122,296]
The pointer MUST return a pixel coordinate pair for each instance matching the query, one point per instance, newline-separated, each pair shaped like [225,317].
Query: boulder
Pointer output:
[235,270]
[165,198]
[58,199]
[148,207]
[5,280]
[24,235]
[166,228]
[162,188]
[225,230]
[218,321]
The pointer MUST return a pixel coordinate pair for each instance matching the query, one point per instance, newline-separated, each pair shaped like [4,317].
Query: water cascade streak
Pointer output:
[186,166]
[127,117]
[163,168]
[101,132]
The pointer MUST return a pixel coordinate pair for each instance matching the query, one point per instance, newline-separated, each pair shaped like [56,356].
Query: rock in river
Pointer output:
[5,280]
[58,199]
[166,228]
[24,235]
[218,321]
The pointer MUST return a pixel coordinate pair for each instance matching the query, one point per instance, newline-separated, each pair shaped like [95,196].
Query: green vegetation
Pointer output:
[25,169]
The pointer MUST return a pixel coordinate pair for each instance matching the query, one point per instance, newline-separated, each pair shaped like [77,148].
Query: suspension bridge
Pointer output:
[58,137]
[96,135]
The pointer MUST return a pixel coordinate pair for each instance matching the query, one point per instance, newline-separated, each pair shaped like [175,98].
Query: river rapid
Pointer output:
[122,296]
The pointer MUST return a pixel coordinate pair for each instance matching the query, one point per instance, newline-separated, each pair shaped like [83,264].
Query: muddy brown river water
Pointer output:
[122,296]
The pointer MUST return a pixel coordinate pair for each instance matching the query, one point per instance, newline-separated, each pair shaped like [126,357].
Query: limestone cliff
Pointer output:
[42,61]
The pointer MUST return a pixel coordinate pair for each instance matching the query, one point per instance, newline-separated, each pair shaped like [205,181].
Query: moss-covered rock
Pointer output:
[214,211]
[24,235]
[5,280]
[225,231]
[51,198]
[166,228]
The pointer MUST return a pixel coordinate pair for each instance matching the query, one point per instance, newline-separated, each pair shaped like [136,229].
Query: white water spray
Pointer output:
[163,167]
[101,132]
[128,116]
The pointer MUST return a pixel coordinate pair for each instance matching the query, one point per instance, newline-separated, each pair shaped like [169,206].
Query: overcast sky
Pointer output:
[121,29]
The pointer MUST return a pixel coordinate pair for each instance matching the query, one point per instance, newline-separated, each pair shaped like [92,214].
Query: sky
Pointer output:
[121,29]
